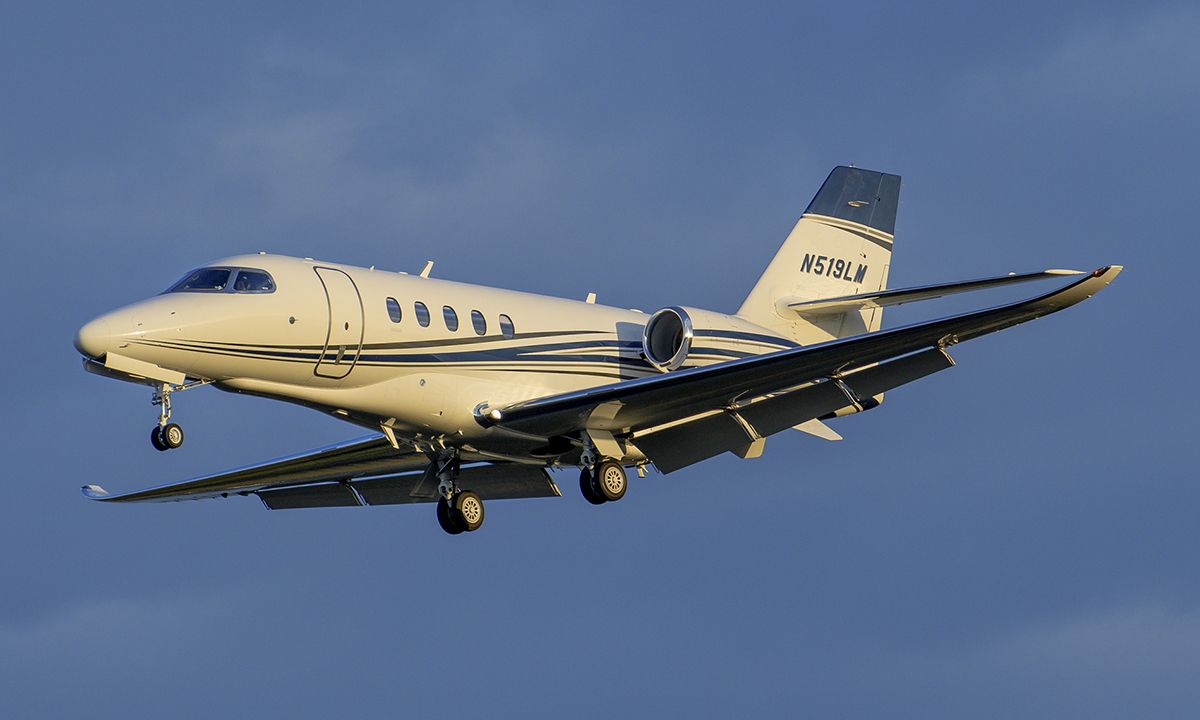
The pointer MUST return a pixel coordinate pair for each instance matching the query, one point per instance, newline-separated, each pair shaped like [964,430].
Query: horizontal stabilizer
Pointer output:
[887,298]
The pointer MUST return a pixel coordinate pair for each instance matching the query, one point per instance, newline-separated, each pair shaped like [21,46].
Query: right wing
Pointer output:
[366,471]
[644,404]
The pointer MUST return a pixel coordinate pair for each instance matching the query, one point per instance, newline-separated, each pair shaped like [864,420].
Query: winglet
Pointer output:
[95,492]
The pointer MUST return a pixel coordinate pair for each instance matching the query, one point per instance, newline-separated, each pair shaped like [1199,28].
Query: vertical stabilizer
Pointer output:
[842,245]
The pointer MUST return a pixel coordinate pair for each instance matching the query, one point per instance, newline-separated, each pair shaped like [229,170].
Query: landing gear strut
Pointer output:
[166,435]
[458,510]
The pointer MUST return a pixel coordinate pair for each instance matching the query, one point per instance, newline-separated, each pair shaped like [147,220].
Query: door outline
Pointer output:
[324,362]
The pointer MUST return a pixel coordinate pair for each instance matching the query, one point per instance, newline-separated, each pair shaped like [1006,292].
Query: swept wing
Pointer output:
[366,471]
[644,403]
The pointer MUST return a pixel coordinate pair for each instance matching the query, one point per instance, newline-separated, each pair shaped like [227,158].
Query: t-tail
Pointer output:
[842,245]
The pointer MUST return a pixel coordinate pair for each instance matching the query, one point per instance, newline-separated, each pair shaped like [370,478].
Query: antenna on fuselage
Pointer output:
[427,268]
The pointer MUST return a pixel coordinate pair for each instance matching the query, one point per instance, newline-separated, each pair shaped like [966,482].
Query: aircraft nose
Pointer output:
[93,339]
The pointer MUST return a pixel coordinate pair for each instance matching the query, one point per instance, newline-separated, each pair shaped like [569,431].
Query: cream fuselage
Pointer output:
[324,338]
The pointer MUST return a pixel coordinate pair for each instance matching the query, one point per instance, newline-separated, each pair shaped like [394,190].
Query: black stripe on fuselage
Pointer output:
[595,353]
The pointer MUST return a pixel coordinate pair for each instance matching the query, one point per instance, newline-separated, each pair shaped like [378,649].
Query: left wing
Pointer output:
[366,471]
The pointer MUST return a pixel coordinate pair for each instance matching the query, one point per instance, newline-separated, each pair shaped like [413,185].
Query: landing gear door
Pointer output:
[344,340]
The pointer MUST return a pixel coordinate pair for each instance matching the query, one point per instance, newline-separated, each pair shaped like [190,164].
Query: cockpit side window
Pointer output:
[203,280]
[253,281]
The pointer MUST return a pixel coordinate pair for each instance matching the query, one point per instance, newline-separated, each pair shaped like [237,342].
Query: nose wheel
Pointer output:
[166,437]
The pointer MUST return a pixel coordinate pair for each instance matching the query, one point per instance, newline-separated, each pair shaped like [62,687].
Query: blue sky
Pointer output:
[1015,537]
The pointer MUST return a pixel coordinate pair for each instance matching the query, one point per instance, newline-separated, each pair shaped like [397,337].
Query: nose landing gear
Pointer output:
[166,435]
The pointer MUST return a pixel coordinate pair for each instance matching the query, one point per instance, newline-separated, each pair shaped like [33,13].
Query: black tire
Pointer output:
[172,436]
[445,519]
[156,439]
[468,510]
[587,489]
[611,481]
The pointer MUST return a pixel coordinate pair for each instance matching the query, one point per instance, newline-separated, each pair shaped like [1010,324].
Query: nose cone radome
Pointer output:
[94,338]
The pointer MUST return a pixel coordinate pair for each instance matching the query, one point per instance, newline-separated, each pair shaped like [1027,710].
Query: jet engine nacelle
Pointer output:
[674,335]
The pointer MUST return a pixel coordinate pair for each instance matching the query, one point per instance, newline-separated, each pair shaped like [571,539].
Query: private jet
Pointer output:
[473,393]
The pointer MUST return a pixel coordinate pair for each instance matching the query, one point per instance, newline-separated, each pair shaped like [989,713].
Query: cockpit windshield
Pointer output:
[211,279]
[217,280]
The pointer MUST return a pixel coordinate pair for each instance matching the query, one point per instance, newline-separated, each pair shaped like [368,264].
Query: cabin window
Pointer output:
[204,279]
[478,322]
[506,326]
[253,281]
[450,317]
[422,313]
[393,308]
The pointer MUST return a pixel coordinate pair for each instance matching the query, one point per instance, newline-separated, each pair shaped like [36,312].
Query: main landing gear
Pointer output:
[166,435]
[603,482]
[458,510]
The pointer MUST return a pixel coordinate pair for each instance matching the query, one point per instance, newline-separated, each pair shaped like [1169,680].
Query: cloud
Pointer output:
[1138,660]
[105,644]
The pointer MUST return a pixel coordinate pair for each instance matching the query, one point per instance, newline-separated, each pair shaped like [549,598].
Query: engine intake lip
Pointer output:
[667,339]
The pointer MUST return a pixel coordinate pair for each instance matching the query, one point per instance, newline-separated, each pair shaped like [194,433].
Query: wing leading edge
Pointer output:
[645,403]
[363,457]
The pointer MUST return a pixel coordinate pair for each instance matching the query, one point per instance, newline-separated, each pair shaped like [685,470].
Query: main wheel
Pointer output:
[446,519]
[468,510]
[610,480]
[172,436]
[588,488]
[156,439]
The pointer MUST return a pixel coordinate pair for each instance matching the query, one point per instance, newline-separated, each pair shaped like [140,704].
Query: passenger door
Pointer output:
[344,339]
